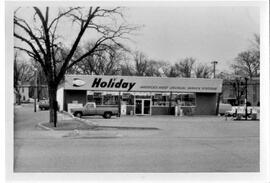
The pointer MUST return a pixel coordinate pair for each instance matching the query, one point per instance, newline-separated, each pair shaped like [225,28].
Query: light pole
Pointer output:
[214,70]
[35,101]
[218,94]
[246,98]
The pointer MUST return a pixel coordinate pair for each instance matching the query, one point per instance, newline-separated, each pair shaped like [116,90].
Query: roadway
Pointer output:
[187,144]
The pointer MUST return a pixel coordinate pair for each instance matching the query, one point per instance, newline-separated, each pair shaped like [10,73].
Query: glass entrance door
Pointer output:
[143,106]
[146,106]
[138,107]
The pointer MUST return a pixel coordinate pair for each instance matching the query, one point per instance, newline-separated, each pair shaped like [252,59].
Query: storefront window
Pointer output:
[97,98]
[110,99]
[103,98]
[184,99]
[128,98]
[161,99]
[158,99]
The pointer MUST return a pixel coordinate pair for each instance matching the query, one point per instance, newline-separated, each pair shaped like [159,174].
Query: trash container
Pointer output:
[131,113]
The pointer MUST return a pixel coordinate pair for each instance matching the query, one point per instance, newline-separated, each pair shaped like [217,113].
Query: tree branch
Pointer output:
[37,56]
[30,32]
[75,45]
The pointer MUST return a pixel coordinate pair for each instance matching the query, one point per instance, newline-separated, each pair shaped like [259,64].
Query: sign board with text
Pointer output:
[141,84]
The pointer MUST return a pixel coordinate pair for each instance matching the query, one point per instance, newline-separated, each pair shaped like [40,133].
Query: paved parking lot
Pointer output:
[182,144]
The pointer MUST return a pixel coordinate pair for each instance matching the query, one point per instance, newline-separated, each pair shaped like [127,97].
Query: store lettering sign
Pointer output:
[113,83]
[142,84]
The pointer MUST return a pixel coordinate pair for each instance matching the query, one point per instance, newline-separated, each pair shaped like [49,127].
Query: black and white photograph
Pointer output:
[137,87]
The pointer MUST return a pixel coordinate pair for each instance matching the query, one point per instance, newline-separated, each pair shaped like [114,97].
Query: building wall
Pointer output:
[74,95]
[161,110]
[205,104]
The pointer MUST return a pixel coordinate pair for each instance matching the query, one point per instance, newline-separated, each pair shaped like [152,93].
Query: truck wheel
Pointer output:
[107,115]
[78,114]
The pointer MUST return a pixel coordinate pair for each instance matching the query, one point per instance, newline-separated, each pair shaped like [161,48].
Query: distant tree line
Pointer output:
[136,63]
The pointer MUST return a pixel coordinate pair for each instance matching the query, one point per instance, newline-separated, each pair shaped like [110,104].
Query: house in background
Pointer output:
[24,91]
[23,94]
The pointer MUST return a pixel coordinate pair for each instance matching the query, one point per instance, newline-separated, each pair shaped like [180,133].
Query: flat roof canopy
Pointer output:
[141,84]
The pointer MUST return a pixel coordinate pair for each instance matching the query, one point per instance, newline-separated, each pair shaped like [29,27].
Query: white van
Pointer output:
[223,108]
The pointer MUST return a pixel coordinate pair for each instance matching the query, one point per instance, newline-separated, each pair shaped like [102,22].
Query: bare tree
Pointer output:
[43,42]
[141,64]
[156,68]
[184,67]
[103,62]
[40,81]
[126,68]
[170,71]
[247,63]
[202,71]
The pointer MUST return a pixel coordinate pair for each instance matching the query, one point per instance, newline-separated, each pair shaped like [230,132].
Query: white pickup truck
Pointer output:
[90,109]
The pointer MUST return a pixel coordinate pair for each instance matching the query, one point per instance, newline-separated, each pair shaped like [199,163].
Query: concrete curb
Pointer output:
[128,128]
[40,125]
[84,121]
[80,119]
[95,126]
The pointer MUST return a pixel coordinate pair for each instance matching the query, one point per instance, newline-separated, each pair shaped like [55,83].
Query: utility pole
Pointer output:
[214,70]
[218,94]
[246,98]
[35,101]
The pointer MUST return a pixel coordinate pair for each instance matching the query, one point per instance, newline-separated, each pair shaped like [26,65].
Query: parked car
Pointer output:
[223,108]
[239,112]
[43,104]
[31,100]
[90,109]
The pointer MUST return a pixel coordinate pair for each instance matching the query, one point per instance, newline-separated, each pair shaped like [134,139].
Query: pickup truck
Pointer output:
[90,109]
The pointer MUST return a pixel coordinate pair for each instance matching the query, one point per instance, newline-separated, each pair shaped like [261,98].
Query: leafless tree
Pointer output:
[103,62]
[170,71]
[43,41]
[247,63]
[184,67]
[156,68]
[141,63]
[126,68]
[202,71]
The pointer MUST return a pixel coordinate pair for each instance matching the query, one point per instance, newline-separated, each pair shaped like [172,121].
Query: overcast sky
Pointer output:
[205,33]
[172,33]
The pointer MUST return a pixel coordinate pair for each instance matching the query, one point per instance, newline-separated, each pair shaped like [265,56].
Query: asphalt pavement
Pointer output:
[181,144]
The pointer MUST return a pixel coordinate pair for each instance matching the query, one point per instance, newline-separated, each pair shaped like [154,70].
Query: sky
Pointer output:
[172,33]
[205,33]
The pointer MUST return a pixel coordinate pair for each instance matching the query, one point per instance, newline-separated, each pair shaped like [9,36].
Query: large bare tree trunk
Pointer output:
[53,104]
